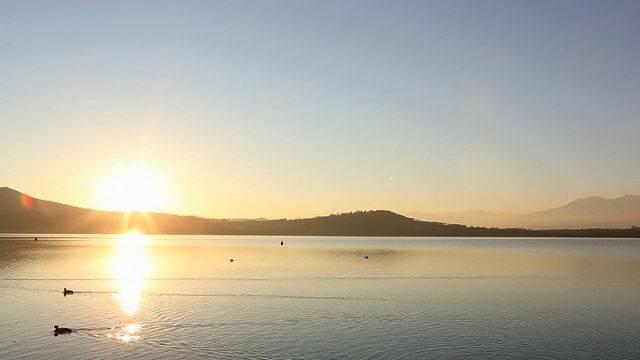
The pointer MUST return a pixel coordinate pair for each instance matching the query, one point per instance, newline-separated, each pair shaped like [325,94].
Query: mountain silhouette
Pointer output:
[585,213]
[20,213]
[593,212]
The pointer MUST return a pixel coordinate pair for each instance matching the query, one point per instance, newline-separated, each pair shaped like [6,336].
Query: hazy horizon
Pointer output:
[287,110]
[476,211]
[585,213]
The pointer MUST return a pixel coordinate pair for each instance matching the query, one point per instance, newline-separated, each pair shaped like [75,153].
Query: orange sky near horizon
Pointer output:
[276,110]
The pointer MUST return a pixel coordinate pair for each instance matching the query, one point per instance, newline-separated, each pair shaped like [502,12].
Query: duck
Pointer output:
[230,260]
[366,257]
[67,292]
[58,330]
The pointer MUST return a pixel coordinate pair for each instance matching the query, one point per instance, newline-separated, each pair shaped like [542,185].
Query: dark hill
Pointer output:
[12,200]
[359,223]
[21,214]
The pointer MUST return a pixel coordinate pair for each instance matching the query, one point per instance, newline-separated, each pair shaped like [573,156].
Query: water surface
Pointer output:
[318,297]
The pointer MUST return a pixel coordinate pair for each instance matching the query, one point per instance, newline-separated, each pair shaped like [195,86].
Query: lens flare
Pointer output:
[27,201]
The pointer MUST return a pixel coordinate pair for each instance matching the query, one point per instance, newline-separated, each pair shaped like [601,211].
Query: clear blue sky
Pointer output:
[301,108]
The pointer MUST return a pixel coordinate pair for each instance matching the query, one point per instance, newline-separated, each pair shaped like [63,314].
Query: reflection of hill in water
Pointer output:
[49,217]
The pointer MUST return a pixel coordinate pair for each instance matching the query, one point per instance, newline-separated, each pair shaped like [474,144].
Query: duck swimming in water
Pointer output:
[58,330]
[67,292]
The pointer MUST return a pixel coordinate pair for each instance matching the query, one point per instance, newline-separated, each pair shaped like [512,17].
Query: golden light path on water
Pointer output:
[130,267]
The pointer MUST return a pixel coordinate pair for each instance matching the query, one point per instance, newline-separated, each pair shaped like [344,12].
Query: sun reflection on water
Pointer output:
[130,267]
[126,333]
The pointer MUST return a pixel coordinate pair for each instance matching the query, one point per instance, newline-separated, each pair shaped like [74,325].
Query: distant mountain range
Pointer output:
[20,213]
[585,213]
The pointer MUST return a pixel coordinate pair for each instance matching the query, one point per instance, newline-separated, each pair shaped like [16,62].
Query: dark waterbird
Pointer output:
[59,331]
[230,260]
[366,257]
[67,292]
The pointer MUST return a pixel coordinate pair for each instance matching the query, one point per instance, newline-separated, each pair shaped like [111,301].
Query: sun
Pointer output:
[134,187]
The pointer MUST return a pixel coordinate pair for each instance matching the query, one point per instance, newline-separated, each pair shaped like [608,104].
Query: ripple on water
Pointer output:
[368,310]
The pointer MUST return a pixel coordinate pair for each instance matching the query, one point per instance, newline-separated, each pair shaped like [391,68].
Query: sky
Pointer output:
[287,109]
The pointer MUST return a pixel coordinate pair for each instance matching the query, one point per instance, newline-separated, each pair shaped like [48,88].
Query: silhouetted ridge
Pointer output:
[21,214]
[12,200]
[594,211]
[359,223]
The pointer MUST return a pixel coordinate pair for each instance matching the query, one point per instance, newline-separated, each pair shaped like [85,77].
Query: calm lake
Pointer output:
[181,297]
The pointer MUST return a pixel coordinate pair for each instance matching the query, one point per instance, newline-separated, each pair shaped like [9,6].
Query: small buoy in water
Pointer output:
[36,239]
[281,243]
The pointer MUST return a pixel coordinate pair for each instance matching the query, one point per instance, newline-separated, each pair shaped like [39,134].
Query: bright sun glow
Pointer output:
[134,187]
